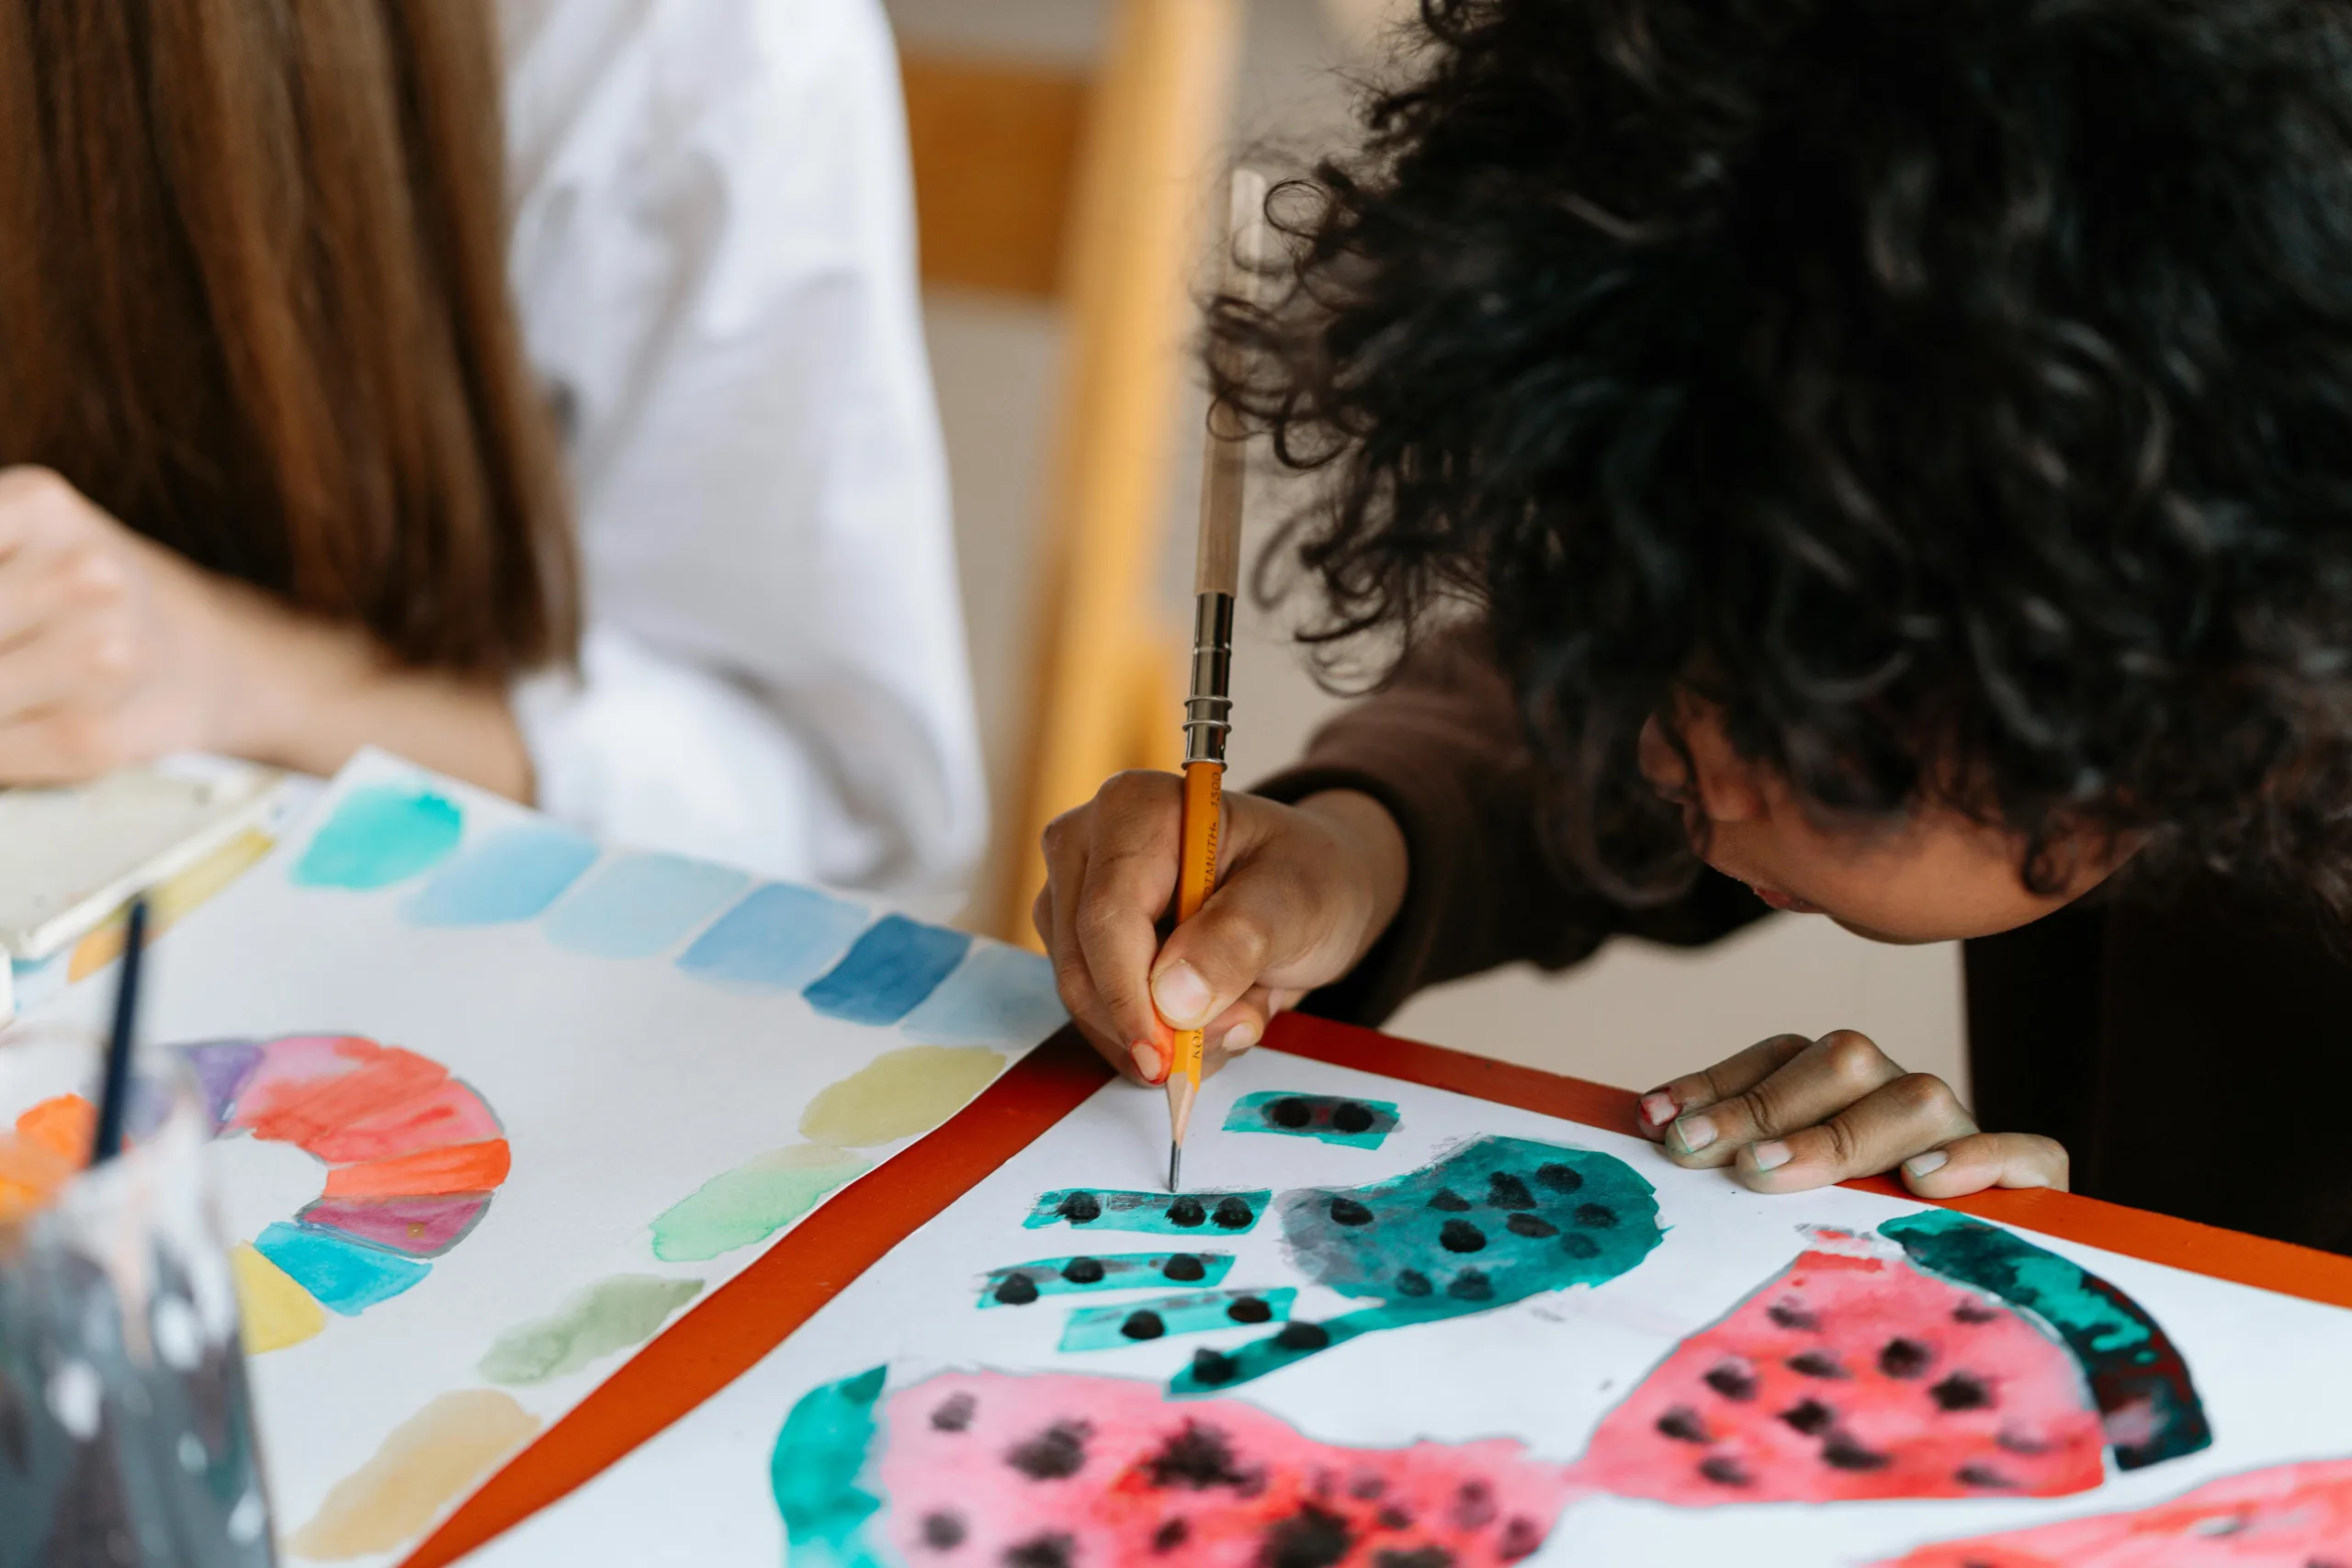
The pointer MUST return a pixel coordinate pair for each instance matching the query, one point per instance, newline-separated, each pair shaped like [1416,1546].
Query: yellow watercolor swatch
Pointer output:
[174,898]
[899,1094]
[278,1312]
[430,1461]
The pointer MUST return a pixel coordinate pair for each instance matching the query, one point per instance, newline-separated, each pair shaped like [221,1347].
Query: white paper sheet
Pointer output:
[2275,1372]
[622,1085]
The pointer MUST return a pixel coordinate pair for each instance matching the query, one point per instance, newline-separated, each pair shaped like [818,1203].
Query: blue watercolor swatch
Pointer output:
[510,875]
[1191,1214]
[641,906]
[1330,1117]
[344,1276]
[1022,1283]
[998,994]
[380,834]
[1137,1323]
[888,971]
[781,936]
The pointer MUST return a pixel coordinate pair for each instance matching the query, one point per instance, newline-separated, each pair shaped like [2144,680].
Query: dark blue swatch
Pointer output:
[887,974]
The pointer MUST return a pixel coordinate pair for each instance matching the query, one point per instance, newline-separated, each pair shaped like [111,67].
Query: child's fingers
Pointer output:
[1261,917]
[1116,862]
[1815,1083]
[1729,1076]
[1901,1120]
[1980,1160]
[1233,1032]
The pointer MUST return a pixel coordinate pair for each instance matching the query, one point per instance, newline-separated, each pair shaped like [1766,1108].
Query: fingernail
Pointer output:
[1148,1061]
[1238,1039]
[1770,1155]
[1659,1107]
[1927,1164]
[1181,996]
[1694,1133]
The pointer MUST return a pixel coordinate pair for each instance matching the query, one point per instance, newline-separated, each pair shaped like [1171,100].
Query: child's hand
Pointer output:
[1302,891]
[1790,1113]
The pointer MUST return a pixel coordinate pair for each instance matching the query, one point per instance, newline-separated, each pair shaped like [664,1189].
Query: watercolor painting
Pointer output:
[1022,1283]
[1326,1118]
[1154,1213]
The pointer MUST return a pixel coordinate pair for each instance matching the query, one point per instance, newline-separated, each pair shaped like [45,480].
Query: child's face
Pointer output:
[1935,876]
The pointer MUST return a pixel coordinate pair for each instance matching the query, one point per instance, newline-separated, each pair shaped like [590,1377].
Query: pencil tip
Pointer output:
[1175,1166]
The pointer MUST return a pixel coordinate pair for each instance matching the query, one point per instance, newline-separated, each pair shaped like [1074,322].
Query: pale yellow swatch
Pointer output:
[899,1094]
[430,1461]
[278,1312]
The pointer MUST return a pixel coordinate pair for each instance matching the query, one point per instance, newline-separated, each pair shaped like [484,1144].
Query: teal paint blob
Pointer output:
[821,1456]
[344,1276]
[1204,1312]
[888,972]
[779,938]
[997,996]
[641,905]
[1327,1118]
[508,875]
[1155,1213]
[379,835]
[2133,1369]
[1496,1221]
[1022,1283]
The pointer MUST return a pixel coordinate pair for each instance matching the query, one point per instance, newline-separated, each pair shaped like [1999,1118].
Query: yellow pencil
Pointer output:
[1216,583]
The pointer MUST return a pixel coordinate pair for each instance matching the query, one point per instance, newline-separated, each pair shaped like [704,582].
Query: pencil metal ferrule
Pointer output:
[1208,710]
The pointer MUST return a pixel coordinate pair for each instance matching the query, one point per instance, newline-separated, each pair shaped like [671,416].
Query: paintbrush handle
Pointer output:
[1223,480]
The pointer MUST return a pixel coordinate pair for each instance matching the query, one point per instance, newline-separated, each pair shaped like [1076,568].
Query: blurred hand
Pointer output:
[1789,1113]
[1303,892]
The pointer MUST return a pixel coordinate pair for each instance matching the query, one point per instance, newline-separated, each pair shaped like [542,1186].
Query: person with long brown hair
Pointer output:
[285,472]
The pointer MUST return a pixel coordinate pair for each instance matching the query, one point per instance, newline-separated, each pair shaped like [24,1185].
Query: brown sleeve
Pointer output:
[1442,747]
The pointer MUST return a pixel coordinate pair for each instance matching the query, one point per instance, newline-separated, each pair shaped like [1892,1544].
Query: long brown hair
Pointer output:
[253,301]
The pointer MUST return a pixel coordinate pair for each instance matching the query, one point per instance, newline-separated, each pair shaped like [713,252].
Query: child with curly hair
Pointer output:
[1891,456]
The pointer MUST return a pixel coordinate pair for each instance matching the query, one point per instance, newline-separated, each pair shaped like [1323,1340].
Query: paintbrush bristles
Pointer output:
[1225,477]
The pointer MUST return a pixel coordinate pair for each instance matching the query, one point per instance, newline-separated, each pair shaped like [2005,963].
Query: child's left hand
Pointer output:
[1790,1113]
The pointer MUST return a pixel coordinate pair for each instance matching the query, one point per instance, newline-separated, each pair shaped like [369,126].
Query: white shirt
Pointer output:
[713,257]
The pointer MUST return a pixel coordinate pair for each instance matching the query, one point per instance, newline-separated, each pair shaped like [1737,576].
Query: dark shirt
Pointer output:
[2192,1048]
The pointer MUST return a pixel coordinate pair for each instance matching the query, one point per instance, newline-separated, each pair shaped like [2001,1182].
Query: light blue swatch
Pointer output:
[343,1275]
[1158,1214]
[1327,1118]
[1137,1323]
[888,971]
[997,996]
[510,874]
[641,905]
[1024,1282]
[380,834]
[780,936]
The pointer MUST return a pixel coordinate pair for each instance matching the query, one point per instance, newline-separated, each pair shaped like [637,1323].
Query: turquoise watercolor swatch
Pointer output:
[1138,1323]
[380,834]
[510,875]
[751,1203]
[997,995]
[1022,1283]
[819,1458]
[1097,1208]
[344,1276]
[611,1315]
[888,972]
[780,937]
[641,905]
[1328,1118]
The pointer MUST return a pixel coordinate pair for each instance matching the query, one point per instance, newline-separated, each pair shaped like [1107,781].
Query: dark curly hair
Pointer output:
[1956,392]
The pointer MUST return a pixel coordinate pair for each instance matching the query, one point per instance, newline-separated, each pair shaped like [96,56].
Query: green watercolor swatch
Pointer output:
[611,1315]
[751,1203]
[814,1471]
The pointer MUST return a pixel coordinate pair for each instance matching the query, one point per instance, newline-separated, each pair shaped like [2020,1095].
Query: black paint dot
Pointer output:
[1521,1538]
[1961,1391]
[1043,1552]
[2018,1442]
[1842,1452]
[1789,1313]
[1448,1200]
[1301,1337]
[1393,1518]
[1722,1470]
[1811,1417]
[1291,1112]
[1412,1283]
[1183,1266]
[1079,1207]
[1211,1368]
[954,1413]
[1732,1379]
[1596,1216]
[1349,1117]
[1529,1225]
[1816,1364]
[1083,1270]
[1348,1211]
[943,1531]
[1368,1486]
[1505,1191]
[1312,1538]
[1055,1454]
[1905,1359]
[1682,1424]
[1984,1475]
[1233,1214]
[1578,1245]
[1016,1290]
[1473,1506]
[1197,1458]
[1461,1235]
[1250,1309]
[1187,1211]
[1143,1324]
[1426,1557]
[1973,1312]
[1171,1535]
[1559,1177]
[1470,1285]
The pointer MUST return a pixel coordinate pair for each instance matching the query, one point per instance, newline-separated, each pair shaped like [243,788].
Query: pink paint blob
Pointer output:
[419,1228]
[449,1113]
